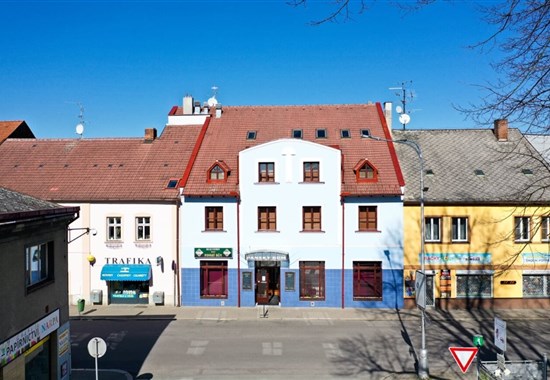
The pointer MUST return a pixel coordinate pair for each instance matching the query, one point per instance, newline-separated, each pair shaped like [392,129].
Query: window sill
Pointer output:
[312,182]
[213,297]
[460,242]
[374,299]
[264,231]
[312,231]
[311,299]
[522,241]
[143,243]
[363,231]
[432,241]
[266,183]
[114,244]
[213,231]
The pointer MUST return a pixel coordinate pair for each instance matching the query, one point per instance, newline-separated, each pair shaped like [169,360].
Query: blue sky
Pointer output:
[129,62]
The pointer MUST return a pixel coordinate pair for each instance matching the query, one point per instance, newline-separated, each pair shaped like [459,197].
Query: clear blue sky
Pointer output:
[129,62]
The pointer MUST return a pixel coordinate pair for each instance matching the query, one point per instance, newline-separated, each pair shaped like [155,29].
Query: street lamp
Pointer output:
[423,372]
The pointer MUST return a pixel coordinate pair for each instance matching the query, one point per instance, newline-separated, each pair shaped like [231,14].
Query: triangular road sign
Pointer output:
[464,356]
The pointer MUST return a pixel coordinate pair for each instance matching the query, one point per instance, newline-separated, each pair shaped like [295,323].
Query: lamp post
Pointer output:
[423,372]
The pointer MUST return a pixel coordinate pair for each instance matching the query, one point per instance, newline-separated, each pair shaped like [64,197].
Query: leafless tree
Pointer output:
[521,92]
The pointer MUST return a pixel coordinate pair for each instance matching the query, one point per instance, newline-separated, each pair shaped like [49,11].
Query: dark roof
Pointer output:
[226,136]
[471,166]
[16,206]
[14,129]
[72,170]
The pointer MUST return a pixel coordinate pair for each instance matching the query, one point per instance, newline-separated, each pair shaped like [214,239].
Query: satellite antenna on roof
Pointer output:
[404,117]
[80,125]
[212,102]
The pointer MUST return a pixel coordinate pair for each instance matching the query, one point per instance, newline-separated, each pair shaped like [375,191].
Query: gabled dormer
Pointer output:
[365,171]
[218,172]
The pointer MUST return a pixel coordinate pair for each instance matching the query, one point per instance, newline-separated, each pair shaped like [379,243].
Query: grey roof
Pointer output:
[14,202]
[541,143]
[454,156]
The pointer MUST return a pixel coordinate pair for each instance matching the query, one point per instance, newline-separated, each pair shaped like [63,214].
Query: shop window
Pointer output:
[312,280]
[545,228]
[459,229]
[114,228]
[267,219]
[311,171]
[213,279]
[39,265]
[214,218]
[266,172]
[368,218]
[311,218]
[432,230]
[143,228]
[536,285]
[522,230]
[474,285]
[367,280]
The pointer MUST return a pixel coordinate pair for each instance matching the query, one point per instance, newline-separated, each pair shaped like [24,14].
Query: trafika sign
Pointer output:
[464,356]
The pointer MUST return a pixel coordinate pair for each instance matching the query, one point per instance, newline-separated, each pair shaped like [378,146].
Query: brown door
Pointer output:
[262,286]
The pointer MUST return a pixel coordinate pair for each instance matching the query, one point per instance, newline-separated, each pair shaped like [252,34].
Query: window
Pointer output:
[367,280]
[474,285]
[545,228]
[321,133]
[312,280]
[367,218]
[214,218]
[251,135]
[345,133]
[217,173]
[39,266]
[143,228]
[522,229]
[114,228]
[172,184]
[432,231]
[297,133]
[311,218]
[311,171]
[365,133]
[267,219]
[459,229]
[365,172]
[213,279]
[266,172]
[536,285]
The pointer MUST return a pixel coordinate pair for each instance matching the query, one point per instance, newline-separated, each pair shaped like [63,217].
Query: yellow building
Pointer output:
[486,218]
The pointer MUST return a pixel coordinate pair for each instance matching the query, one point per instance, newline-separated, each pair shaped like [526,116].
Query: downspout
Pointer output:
[239,251]
[177,269]
[343,250]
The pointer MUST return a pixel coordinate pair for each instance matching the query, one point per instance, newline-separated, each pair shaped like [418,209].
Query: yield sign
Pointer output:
[464,356]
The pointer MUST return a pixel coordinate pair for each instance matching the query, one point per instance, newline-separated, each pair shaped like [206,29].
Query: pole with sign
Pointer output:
[97,348]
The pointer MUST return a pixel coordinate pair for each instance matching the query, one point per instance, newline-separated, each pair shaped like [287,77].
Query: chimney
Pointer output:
[387,114]
[150,135]
[187,105]
[197,108]
[218,111]
[501,129]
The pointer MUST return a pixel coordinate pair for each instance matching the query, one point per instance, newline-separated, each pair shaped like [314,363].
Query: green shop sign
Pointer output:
[224,253]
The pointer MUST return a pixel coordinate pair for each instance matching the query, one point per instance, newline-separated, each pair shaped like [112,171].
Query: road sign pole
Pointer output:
[96,366]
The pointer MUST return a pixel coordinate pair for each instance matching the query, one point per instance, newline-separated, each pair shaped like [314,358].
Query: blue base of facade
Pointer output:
[392,296]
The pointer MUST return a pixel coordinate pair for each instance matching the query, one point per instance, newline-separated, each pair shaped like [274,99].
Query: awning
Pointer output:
[121,272]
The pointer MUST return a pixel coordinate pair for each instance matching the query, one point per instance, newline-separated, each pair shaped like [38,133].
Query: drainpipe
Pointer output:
[177,271]
[343,250]
[238,251]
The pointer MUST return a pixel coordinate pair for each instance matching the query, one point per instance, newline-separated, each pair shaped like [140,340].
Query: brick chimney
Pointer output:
[150,135]
[501,129]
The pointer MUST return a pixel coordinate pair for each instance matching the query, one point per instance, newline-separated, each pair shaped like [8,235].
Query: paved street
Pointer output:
[209,343]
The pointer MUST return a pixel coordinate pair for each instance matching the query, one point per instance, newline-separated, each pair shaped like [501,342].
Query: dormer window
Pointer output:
[365,171]
[218,172]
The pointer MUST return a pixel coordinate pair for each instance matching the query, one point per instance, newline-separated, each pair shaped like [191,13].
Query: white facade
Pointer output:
[159,251]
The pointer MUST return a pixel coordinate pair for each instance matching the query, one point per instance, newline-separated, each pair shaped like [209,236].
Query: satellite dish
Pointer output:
[212,101]
[398,109]
[404,118]
[80,129]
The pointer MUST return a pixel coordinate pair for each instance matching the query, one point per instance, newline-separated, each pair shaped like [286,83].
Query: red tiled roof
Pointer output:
[128,169]
[14,129]
[225,137]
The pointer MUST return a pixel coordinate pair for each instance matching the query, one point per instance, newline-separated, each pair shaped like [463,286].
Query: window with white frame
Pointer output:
[39,266]
[114,228]
[143,228]
[522,230]
[536,285]
[432,231]
[474,285]
[545,228]
[459,229]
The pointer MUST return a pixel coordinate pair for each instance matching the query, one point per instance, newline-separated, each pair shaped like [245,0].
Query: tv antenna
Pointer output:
[212,102]
[80,126]
[406,95]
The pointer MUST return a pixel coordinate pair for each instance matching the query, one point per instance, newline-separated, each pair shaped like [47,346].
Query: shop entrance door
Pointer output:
[268,275]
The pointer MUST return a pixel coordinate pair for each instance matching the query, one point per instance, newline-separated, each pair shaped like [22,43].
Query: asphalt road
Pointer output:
[308,349]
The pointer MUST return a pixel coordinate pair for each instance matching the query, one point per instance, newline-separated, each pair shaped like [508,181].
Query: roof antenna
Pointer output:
[404,117]
[212,102]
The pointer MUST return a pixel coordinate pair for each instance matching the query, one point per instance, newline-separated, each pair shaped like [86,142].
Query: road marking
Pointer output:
[197,347]
[272,348]
[332,351]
